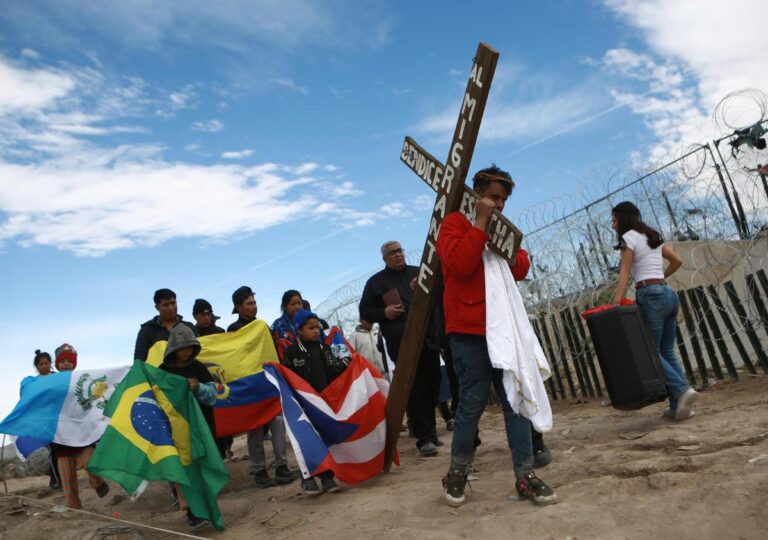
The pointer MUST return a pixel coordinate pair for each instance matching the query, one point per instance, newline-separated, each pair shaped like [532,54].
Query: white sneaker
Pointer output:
[667,413]
[685,404]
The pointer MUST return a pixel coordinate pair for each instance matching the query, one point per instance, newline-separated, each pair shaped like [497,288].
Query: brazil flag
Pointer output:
[157,432]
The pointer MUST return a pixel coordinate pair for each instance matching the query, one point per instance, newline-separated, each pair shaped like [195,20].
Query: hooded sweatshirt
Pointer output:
[183,336]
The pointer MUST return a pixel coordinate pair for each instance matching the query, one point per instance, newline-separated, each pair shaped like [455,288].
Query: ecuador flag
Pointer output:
[246,400]
[157,432]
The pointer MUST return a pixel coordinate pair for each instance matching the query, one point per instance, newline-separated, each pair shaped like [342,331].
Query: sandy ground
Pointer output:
[703,478]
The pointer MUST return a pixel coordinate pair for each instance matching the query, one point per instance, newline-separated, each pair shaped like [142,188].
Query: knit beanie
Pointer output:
[66,352]
[303,316]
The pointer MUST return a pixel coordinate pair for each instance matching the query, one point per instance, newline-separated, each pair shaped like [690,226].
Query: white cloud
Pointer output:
[237,154]
[182,99]
[423,202]
[81,193]
[519,120]
[192,147]
[232,26]
[699,52]
[344,189]
[37,89]
[289,84]
[95,209]
[30,53]
[306,168]
[210,126]
[395,209]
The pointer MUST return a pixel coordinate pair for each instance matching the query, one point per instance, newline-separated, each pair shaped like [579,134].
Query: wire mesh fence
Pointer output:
[711,203]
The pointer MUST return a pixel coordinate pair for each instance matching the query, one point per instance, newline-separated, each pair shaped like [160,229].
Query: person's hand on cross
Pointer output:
[483,210]
[393,312]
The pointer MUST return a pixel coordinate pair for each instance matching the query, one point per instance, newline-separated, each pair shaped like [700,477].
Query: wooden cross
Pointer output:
[452,195]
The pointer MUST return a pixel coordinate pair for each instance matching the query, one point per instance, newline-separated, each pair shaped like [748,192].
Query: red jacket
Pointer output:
[460,248]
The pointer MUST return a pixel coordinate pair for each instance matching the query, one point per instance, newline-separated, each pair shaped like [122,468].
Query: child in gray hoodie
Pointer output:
[179,359]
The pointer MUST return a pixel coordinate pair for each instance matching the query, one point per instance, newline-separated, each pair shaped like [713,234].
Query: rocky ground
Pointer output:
[618,475]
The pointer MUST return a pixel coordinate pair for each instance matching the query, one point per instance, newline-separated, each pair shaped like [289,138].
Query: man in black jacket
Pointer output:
[205,320]
[245,307]
[159,327]
[385,300]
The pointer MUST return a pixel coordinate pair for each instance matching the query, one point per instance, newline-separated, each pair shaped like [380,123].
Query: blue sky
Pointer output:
[202,146]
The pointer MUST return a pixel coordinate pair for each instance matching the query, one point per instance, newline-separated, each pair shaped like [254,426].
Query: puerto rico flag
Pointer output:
[342,429]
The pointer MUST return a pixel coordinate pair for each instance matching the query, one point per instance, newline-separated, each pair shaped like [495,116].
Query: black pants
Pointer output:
[421,404]
[453,380]
[538,440]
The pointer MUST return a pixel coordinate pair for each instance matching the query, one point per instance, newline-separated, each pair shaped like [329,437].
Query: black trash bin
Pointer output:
[628,357]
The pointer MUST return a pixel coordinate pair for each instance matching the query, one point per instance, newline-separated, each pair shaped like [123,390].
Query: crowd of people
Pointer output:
[456,338]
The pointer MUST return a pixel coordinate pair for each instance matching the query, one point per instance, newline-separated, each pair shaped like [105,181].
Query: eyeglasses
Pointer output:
[395,252]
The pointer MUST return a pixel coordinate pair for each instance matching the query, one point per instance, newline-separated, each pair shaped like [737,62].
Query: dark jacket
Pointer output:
[151,332]
[372,305]
[372,308]
[238,324]
[209,331]
[314,362]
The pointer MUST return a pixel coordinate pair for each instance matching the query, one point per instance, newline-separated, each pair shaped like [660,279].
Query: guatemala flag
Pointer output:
[64,408]
[342,429]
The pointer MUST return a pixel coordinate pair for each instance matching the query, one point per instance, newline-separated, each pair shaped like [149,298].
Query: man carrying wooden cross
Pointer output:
[487,326]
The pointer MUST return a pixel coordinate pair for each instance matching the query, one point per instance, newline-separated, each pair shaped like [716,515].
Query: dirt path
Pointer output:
[678,481]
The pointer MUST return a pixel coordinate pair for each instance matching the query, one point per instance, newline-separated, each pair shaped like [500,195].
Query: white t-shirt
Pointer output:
[647,263]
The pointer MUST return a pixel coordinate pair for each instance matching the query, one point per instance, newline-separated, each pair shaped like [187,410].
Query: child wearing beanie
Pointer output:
[314,362]
[71,458]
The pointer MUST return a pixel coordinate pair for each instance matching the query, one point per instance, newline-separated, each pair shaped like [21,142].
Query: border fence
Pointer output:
[711,204]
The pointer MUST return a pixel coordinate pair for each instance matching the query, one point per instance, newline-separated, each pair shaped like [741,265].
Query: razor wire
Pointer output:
[713,197]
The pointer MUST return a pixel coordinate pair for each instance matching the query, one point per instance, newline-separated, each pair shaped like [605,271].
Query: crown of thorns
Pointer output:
[494,178]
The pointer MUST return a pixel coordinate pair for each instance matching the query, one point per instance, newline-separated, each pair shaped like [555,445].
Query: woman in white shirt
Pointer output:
[642,250]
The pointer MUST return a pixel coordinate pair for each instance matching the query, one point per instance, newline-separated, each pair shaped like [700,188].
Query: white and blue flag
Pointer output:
[64,408]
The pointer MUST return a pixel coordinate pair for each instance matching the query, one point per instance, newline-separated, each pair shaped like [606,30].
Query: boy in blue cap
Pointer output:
[314,362]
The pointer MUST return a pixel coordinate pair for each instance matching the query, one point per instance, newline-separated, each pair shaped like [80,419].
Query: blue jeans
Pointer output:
[659,305]
[475,374]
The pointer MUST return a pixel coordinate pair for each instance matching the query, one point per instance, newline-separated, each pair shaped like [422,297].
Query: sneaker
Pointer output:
[284,475]
[531,487]
[263,480]
[428,449]
[450,424]
[453,484]
[439,443]
[103,489]
[195,522]
[309,487]
[685,404]
[542,458]
[329,484]
[669,413]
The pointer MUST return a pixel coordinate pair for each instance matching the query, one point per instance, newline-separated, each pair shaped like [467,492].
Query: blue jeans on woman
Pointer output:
[659,305]
[475,373]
